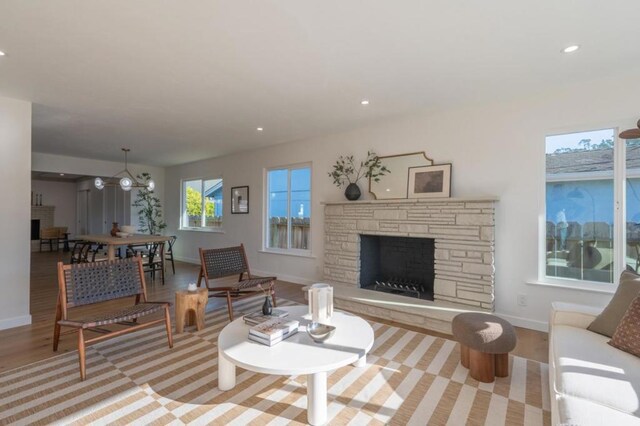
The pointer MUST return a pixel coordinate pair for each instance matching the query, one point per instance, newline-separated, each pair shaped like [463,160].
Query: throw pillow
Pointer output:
[610,317]
[627,334]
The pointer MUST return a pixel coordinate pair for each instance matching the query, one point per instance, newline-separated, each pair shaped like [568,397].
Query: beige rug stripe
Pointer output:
[515,413]
[42,393]
[445,404]
[222,397]
[533,395]
[224,403]
[365,380]
[67,407]
[479,408]
[165,420]
[376,403]
[395,334]
[152,364]
[400,344]
[32,381]
[109,409]
[425,360]
[429,402]
[408,349]
[167,373]
[260,395]
[266,399]
[14,379]
[134,415]
[279,407]
[451,363]
[406,410]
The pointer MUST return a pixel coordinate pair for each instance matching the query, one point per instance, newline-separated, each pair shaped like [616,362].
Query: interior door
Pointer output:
[96,211]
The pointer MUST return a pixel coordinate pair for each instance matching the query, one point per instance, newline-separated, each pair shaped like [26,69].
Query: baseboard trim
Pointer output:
[194,261]
[15,322]
[525,322]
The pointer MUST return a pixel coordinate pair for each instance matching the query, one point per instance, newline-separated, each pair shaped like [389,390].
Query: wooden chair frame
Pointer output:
[245,287]
[65,302]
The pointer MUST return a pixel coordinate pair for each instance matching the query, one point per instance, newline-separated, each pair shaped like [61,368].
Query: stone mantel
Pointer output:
[413,201]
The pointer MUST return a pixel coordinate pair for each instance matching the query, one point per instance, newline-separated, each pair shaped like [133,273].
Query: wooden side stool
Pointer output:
[191,305]
[485,342]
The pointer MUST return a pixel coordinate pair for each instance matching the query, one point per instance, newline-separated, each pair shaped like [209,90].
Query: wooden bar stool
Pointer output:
[485,342]
[191,305]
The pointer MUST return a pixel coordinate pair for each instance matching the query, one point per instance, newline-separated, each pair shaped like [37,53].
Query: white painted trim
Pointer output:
[15,322]
[297,253]
[525,322]
[577,285]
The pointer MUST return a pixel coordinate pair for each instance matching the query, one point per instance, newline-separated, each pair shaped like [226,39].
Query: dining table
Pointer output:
[113,242]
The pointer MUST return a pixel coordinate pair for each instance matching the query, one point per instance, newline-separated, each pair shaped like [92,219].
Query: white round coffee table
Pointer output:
[297,355]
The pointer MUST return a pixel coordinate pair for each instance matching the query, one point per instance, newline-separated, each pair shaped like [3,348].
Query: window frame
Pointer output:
[183,206]
[265,214]
[619,175]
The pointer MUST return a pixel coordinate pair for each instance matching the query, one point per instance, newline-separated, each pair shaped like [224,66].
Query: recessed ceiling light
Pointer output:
[259,129]
[571,49]
[2,53]
[61,174]
[364,102]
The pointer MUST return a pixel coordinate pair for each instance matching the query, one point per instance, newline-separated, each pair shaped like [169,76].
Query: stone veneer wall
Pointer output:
[46,215]
[464,232]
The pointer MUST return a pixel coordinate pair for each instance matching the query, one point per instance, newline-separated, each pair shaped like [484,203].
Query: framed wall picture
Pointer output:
[240,200]
[429,181]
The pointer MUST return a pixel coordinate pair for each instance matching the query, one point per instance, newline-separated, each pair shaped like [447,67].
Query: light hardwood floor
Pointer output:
[24,345]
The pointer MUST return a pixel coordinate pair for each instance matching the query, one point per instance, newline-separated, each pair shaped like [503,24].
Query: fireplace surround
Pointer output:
[463,231]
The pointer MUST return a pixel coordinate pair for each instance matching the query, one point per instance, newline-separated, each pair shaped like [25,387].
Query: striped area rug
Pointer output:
[410,379]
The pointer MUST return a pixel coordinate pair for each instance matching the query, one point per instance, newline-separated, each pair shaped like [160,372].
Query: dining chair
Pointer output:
[169,253]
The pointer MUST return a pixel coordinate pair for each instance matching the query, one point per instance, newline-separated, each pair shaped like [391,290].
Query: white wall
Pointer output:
[84,166]
[61,195]
[15,187]
[496,149]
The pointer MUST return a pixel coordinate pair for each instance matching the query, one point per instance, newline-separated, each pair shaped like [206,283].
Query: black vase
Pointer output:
[266,306]
[352,192]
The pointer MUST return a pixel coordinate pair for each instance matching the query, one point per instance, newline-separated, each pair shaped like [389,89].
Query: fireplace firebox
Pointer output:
[400,265]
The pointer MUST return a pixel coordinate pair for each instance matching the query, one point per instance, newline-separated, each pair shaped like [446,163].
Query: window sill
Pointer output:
[580,286]
[210,230]
[288,253]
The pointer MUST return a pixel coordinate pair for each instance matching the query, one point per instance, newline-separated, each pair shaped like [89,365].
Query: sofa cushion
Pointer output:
[586,367]
[577,411]
[608,320]
[627,334]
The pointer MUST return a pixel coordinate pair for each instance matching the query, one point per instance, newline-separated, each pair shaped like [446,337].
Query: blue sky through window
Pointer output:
[300,192]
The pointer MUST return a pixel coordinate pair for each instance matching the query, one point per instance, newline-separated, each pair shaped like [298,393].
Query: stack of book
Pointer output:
[258,317]
[273,331]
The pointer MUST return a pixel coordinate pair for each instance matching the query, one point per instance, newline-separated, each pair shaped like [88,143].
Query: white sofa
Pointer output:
[591,382]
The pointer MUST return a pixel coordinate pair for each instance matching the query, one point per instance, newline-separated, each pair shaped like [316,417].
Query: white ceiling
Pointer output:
[179,80]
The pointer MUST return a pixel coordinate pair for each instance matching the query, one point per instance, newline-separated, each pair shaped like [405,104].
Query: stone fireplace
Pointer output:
[462,254]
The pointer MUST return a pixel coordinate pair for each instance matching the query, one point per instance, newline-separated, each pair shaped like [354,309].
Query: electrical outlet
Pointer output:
[522,300]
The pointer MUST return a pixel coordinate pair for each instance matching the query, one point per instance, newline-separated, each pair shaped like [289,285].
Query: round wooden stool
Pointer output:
[485,342]
[191,305]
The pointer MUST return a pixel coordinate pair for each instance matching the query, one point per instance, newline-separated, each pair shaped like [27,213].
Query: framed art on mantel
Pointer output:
[429,181]
[240,200]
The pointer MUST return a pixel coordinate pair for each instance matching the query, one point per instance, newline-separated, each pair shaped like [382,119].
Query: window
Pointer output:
[202,204]
[288,221]
[588,174]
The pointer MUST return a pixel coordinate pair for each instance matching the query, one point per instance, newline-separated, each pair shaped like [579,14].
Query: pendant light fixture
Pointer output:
[125,179]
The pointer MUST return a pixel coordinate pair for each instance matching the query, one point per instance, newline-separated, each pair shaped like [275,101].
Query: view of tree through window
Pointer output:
[580,213]
[289,208]
[202,203]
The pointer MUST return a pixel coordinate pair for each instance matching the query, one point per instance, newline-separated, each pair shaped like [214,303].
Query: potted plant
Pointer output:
[345,171]
[150,213]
